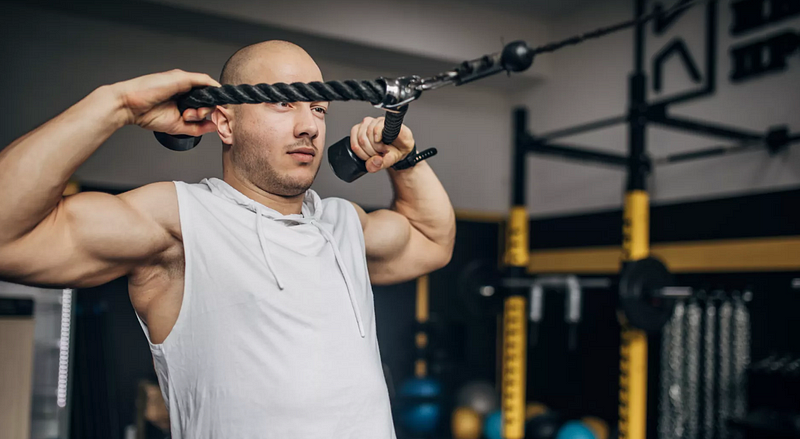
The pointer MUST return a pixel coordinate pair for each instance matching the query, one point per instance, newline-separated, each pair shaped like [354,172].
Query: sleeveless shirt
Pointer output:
[276,333]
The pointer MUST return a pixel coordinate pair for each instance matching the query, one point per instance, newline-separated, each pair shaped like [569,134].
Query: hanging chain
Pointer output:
[664,407]
[724,412]
[741,354]
[709,355]
[692,377]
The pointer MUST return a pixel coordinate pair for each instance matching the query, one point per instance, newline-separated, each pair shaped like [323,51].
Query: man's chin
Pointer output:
[296,188]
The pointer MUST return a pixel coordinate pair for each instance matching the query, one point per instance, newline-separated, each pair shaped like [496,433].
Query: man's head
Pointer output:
[276,147]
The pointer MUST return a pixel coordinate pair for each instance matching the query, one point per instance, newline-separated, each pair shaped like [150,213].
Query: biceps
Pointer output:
[396,251]
[386,234]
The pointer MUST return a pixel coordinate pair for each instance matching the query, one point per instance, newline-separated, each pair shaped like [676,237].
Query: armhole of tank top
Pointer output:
[187,233]
[353,217]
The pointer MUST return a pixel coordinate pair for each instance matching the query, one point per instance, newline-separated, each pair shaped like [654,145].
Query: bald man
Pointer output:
[253,292]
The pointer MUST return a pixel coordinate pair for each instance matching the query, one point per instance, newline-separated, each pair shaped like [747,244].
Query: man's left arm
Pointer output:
[415,236]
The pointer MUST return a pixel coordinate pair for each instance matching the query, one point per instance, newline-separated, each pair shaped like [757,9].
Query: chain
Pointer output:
[724,412]
[664,407]
[692,376]
[741,355]
[709,355]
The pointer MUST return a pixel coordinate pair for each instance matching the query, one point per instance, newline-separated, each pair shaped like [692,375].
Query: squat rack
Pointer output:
[635,247]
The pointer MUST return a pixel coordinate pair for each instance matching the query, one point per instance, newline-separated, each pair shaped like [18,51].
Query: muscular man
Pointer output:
[253,292]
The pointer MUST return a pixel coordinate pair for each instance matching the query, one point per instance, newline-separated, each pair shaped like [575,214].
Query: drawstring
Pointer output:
[264,248]
[338,256]
[309,218]
[347,281]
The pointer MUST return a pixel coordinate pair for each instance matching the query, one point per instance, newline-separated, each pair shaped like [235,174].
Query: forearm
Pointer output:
[420,197]
[35,168]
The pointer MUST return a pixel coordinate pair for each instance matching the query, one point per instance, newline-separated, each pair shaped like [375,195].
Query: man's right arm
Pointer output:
[89,238]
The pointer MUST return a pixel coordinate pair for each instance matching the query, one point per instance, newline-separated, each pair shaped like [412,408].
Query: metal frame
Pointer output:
[633,399]
[641,114]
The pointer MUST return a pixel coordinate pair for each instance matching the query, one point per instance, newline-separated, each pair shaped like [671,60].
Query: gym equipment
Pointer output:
[572,286]
[572,307]
[646,301]
[466,423]
[544,426]
[598,426]
[671,407]
[420,387]
[419,404]
[420,411]
[724,350]
[646,295]
[394,94]
[724,370]
[709,365]
[534,409]
[478,278]
[575,430]
[741,353]
[480,396]
[492,427]
[692,377]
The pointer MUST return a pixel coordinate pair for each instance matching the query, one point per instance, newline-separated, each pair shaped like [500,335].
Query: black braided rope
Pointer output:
[373,91]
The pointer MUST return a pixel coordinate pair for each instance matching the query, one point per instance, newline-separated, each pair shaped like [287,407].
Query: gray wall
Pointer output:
[51,59]
[58,58]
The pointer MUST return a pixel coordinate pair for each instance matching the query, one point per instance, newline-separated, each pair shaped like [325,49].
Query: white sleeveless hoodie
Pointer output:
[276,333]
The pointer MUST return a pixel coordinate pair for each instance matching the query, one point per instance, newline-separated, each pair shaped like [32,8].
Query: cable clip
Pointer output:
[399,92]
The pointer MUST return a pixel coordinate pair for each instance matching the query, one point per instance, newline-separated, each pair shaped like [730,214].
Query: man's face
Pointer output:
[279,146]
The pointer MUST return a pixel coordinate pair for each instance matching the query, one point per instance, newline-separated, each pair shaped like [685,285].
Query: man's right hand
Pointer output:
[149,102]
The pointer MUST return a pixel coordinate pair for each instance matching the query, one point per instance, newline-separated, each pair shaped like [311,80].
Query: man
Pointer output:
[253,292]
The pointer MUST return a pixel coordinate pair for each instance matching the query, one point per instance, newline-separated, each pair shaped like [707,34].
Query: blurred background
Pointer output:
[76,364]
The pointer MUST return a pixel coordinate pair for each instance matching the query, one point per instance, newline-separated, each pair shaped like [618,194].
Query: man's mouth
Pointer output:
[304,155]
[306,151]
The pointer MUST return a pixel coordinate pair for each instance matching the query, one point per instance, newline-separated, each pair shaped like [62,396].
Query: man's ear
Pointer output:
[223,118]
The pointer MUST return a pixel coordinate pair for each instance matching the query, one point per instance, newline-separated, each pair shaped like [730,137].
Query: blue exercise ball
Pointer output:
[420,412]
[575,430]
[493,426]
[420,387]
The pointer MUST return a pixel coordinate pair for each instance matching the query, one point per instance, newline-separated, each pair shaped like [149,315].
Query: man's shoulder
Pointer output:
[337,208]
[158,201]
[337,204]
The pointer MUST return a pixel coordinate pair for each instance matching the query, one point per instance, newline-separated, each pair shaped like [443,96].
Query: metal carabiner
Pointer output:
[399,92]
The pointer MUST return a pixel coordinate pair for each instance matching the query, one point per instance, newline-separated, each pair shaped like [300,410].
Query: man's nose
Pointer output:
[305,123]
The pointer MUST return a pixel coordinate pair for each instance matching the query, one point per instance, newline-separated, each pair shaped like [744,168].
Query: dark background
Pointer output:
[112,354]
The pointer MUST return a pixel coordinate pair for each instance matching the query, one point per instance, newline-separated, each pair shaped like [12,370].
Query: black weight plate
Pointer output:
[639,280]
[476,274]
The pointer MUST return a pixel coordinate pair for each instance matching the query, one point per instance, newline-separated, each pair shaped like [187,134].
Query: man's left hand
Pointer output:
[365,141]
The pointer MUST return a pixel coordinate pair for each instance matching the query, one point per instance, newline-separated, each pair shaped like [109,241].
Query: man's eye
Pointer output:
[322,110]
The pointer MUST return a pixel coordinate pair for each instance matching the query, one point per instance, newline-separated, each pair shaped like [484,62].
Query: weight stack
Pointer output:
[703,367]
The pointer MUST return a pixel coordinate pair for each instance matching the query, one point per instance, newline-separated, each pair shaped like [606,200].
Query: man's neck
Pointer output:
[284,205]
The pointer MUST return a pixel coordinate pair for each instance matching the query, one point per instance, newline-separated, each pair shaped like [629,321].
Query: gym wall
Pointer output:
[447,30]
[57,58]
